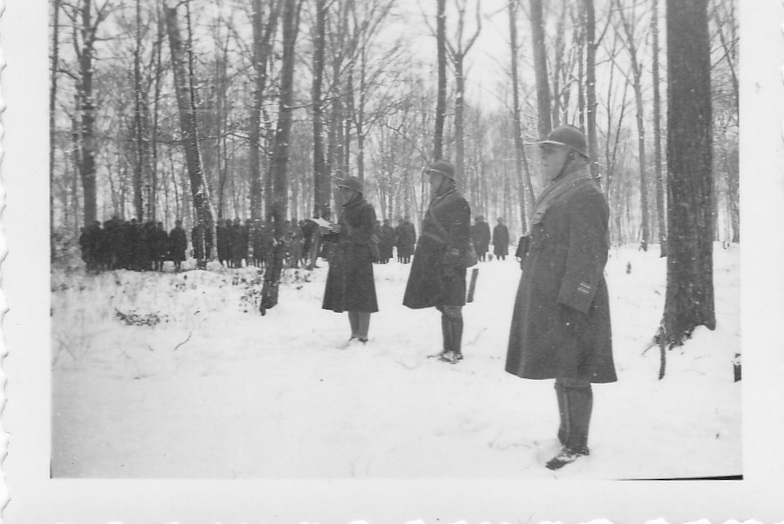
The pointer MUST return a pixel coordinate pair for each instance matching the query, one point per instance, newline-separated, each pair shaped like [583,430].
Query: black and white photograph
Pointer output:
[392,260]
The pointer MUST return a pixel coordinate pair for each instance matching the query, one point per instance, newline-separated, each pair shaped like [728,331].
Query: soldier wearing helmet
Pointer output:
[350,283]
[561,320]
[438,275]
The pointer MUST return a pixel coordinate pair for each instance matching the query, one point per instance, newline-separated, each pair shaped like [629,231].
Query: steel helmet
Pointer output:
[567,136]
[442,167]
[351,182]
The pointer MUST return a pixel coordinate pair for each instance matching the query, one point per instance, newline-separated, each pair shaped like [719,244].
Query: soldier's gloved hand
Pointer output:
[569,316]
[449,271]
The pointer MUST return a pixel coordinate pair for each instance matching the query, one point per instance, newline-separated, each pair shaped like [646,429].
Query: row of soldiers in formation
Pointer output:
[145,246]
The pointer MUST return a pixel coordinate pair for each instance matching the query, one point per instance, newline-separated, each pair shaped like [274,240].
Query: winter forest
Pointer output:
[208,111]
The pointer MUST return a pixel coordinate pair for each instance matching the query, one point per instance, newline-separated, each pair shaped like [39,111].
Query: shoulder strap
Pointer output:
[438,225]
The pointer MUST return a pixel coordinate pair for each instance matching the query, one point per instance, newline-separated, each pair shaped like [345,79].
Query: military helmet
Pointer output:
[442,167]
[350,182]
[567,136]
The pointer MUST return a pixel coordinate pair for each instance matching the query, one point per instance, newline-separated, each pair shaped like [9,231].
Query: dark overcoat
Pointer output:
[564,268]
[224,241]
[179,244]
[500,240]
[406,239]
[387,241]
[428,286]
[480,236]
[350,284]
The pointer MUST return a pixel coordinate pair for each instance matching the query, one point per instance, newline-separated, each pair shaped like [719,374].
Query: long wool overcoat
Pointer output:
[480,236]
[501,240]
[406,239]
[564,268]
[427,285]
[350,285]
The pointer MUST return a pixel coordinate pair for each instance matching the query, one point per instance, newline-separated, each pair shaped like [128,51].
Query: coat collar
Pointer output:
[356,200]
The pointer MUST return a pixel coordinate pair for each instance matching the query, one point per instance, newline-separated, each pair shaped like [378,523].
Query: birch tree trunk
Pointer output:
[438,138]
[183,84]
[86,108]
[590,88]
[261,47]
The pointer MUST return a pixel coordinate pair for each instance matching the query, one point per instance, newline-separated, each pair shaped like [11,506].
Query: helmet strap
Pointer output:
[567,163]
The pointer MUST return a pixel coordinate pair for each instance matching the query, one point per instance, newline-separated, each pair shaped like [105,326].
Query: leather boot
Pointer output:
[363,325]
[446,332]
[580,406]
[563,428]
[457,336]
[353,318]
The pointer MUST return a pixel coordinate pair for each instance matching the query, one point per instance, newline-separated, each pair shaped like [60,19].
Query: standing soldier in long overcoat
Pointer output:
[480,236]
[406,240]
[178,241]
[350,282]
[161,249]
[561,320]
[387,244]
[500,240]
[438,274]
[222,232]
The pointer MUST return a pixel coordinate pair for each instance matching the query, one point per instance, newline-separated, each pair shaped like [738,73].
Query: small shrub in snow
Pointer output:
[135,319]
[251,295]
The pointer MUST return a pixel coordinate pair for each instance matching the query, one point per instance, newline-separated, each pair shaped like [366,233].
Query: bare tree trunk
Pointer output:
[518,127]
[657,149]
[438,139]
[690,298]
[457,54]
[347,121]
[321,179]
[733,181]
[139,157]
[269,293]
[590,89]
[183,82]
[558,67]
[540,68]
[52,119]
[581,65]
[76,137]
[637,85]
[155,111]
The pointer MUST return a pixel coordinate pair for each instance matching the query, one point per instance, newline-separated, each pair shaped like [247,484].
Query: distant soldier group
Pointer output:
[133,245]
[248,243]
[234,239]
[145,246]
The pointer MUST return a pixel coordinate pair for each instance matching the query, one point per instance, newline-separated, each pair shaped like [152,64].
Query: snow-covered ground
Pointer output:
[214,390]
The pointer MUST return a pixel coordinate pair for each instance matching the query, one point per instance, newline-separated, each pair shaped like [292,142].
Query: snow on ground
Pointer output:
[214,390]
